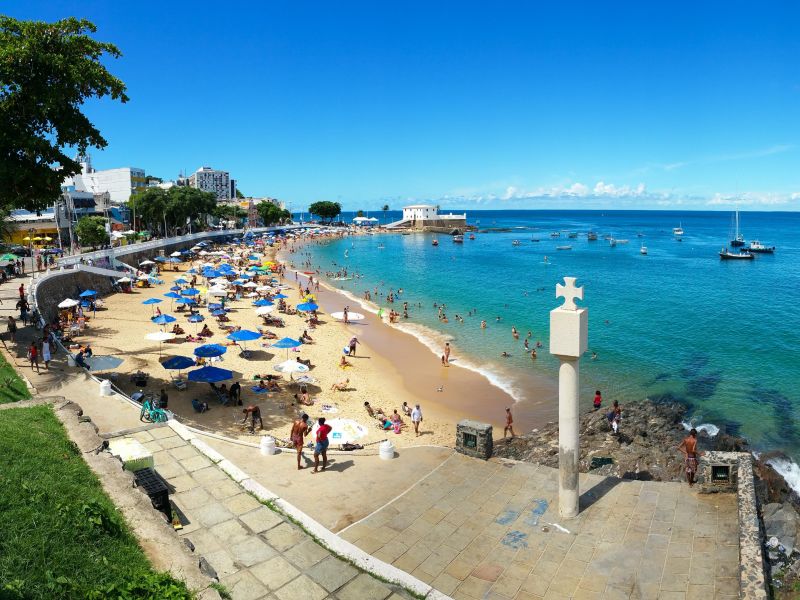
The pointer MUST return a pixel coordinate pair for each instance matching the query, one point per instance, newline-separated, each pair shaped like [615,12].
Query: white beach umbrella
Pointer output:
[219,281]
[217,291]
[250,285]
[291,366]
[175,254]
[124,280]
[264,288]
[146,262]
[251,295]
[160,337]
[264,310]
[351,316]
[68,303]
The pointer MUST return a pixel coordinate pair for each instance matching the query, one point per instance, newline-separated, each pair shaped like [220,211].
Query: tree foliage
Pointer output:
[47,72]
[229,212]
[360,213]
[272,214]
[157,209]
[325,210]
[91,231]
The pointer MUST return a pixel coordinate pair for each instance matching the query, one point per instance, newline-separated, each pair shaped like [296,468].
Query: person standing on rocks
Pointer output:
[509,424]
[689,448]
[598,400]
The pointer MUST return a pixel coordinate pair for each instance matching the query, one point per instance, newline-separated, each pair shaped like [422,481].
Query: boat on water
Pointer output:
[458,239]
[435,242]
[639,235]
[535,240]
[591,236]
[643,249]
[516,243]
[759,248]
[572,235]
[738,238]
[563,247]
[678,230]
[612,242]
[726,254]
[623,241]
[555,234]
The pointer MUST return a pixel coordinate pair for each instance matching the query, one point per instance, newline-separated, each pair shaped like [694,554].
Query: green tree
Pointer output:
[230,212]
[239,194]
[272,214]
[168,210]
[385,209]
[360,213]
[7,226]
[92,231]
[47,72]
[325,210]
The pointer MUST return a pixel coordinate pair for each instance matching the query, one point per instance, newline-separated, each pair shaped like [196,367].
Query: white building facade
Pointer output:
[217,182]
[420,212]
[118,183]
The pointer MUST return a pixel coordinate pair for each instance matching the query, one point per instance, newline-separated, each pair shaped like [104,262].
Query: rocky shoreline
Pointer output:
[646,448]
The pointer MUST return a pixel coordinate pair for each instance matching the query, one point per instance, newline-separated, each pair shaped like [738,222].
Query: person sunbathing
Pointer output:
[306,362]
[304,399]
[205,332]
[396,418]
[375,413]
[340,386]
[176,329]
[270,385]
[267,376]
[305,337]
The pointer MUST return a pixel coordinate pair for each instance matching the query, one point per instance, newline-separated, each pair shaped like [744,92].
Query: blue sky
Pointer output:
[490,105]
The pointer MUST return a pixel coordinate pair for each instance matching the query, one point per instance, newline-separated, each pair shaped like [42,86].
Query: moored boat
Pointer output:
[458,239]
[726,254]
[563,247]
[738,238]
[516,243]
[591,236]
[472,236]
[643,249]
[678,230]
[435,242]
[555,234]
[759,248]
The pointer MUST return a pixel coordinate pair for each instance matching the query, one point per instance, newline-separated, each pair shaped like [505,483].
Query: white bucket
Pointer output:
[267,446]
[386,450]
[105,388]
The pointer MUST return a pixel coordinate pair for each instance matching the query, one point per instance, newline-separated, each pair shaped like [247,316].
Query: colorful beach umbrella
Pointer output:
[190,292]
[263,302]
[151,301]
[89,294]
[210,375]
[196,318]
[245,335]
[307,307]
[173,295]
[163,319]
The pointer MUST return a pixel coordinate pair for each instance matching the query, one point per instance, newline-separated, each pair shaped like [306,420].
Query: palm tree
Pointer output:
[384,209]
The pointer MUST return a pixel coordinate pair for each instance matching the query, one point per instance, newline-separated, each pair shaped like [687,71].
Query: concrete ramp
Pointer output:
[402,223]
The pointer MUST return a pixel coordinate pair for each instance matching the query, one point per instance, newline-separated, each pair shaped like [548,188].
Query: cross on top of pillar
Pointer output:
[569,291]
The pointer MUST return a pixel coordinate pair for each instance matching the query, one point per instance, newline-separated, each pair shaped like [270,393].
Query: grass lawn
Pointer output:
[60,535]
[12,388]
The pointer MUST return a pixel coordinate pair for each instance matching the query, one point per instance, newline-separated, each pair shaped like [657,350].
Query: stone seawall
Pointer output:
[68,284]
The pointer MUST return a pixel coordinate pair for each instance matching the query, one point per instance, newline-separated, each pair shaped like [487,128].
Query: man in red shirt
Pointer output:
[321,446]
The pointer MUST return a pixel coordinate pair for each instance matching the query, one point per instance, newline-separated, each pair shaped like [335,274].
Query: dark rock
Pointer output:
[207,569]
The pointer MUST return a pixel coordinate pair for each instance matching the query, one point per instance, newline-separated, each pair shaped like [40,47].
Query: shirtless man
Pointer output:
[509,424]
[447,354]
[300,429]
[689,448]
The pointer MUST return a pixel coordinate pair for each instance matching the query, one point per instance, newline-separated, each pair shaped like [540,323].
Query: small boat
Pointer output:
[759,248]
[563,247]
[591,236]
[535,240]
[406,233]
[458,239]
[678,230]
[639,234]
[612,242]
[555,234]
[623,241]
[726,254]
[572,235]
[738,238]
[435,242]
[472,236]
[643,250]
[516,243]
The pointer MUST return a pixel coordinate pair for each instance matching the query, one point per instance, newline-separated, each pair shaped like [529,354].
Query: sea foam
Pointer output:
[789,470]
[710,429]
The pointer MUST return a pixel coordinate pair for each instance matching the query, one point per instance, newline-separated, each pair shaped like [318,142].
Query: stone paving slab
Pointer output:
[476,529]
[256,552]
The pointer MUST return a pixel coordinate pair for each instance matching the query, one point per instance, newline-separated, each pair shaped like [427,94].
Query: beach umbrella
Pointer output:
[264,310]
[190,292]
[196,318]
[263,302]
[210,350]
[210,375]
[291,366]
[151,301]
[286,342]
[219,281]
[68,303]
[217,292]
[218,313]
[163,319]
[174,260]
[103,362]
[8,256]
[181,281]
[245,335]
[146,262]
[124,280]
[192,271]
[173,295]
[250,285]
[160,337]
[88,294]
[160,259]
[307,307]
[177,363]
[351,316]
[214,306]
[251,295]
[279,296]
[176,253]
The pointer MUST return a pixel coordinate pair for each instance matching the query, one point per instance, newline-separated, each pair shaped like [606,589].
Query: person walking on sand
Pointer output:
[447,354]
[509,424]
[416,418]
[12,329]
[321,447]
[300,429]
[46,357]
[689,448]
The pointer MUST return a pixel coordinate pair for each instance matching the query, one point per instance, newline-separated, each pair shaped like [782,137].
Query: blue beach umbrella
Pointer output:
[263,302]
[149,301]
[190,292]
[193,271]
[196,318]
[307,307]
[210,375]
[279,296]
[163,319]
[176,363]
[210,350]
[218,313]
[173,295]
[245,335]
[214,306]
[174,260]
[181,280]
[188,301]
[175,288]
[88,294]
[159,259]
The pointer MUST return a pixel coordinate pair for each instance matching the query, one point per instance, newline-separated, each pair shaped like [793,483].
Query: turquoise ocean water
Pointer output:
[721,336]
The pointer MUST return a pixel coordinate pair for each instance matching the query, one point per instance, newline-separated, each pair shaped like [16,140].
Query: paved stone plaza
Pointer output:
[256,552]
[476,529]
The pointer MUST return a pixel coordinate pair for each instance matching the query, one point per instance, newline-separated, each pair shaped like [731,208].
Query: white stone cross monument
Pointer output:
[569,338]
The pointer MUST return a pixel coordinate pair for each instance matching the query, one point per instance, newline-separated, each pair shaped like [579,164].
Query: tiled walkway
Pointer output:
[256,552]
[477,529]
